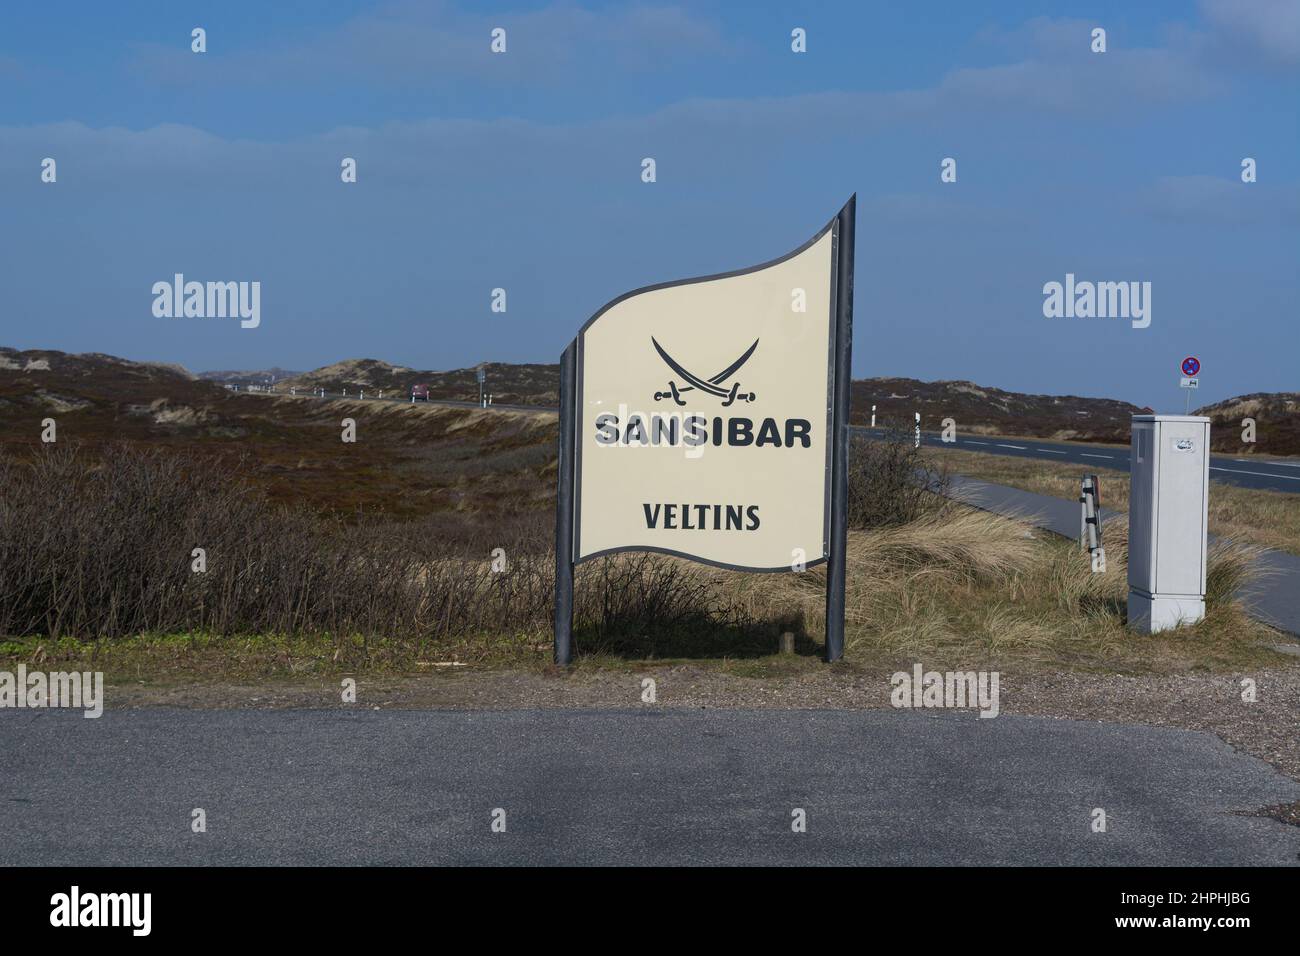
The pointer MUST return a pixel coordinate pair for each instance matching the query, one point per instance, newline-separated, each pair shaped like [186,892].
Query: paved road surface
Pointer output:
[625,787]
[1271,474]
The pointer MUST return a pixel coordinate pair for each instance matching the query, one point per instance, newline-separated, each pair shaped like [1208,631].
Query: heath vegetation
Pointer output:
[129,554]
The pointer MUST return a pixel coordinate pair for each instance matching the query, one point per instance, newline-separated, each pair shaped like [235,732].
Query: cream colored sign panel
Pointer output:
[702,420]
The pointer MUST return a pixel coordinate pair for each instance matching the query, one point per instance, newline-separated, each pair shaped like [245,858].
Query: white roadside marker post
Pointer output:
[1090,522]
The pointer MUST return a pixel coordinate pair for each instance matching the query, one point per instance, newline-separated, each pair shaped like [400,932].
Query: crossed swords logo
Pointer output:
[713,385]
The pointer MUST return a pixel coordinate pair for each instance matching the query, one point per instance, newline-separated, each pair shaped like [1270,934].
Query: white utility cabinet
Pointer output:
[1168,511]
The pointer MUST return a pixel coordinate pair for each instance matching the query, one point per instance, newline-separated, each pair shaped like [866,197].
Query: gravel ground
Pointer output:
[1268,728]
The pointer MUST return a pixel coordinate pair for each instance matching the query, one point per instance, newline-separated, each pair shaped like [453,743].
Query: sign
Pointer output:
[1190,383]
[1191,365]
[481,375]
[702,421]
[708,419]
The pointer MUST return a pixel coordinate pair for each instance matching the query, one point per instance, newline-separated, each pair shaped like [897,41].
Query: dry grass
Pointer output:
[1270,519]
[969,587]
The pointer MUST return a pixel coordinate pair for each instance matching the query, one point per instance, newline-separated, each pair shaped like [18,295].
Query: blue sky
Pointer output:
[522,171]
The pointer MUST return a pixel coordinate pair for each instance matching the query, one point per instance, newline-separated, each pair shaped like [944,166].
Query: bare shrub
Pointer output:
[890,481]
[102,548]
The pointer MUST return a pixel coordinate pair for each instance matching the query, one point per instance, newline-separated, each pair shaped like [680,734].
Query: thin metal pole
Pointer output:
[564,512]
[835,565]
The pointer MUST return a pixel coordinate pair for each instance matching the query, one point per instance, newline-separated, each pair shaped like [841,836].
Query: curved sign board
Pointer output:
[704,416]
[708,419]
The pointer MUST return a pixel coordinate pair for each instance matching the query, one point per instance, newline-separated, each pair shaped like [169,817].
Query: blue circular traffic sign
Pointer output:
[1191,365]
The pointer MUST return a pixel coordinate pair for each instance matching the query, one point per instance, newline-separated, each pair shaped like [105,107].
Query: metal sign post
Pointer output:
[564,510]
[746,468]
[1191,369]
[835,562]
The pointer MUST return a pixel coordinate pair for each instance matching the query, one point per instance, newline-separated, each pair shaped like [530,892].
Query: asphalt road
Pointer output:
[1270,474]
[648,786]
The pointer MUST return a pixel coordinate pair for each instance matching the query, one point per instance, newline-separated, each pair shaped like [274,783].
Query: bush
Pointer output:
[890,481]
[103,548]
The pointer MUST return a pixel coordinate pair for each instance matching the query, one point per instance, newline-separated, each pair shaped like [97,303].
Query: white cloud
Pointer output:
[1266,28]
[1209,200]
[419,43]
[700,136]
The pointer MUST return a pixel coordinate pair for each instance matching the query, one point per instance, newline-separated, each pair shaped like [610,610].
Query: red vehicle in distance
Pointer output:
[419,393]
